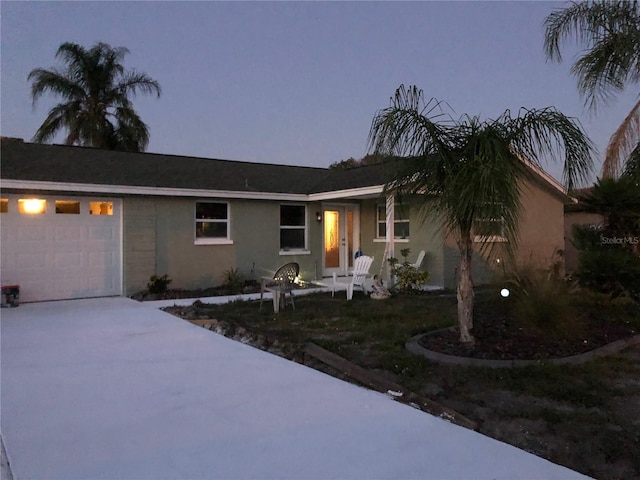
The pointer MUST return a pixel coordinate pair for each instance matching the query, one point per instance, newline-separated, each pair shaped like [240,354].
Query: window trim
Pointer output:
[500,238]
[407,220]
[212,240]
[305,228]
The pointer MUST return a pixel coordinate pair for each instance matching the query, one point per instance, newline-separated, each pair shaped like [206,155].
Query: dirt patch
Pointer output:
[497,337]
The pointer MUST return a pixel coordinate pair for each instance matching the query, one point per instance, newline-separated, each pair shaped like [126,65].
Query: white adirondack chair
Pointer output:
[419,260]
[356,280]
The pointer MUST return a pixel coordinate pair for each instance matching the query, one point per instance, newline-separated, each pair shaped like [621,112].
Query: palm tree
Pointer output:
[96,110]
[610,31]
[468,170]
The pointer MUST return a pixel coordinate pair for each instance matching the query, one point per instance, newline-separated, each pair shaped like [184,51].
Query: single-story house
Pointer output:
[81,222]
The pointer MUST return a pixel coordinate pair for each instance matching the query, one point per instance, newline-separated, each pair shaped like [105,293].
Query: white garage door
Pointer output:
[58,247]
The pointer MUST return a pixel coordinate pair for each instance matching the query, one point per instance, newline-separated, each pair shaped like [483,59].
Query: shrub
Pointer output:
[158,284]
[609,257]
[542,300]
[609,268]
[408,277]
[233,281]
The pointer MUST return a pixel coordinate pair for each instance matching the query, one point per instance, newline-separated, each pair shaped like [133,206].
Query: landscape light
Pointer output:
[504,292]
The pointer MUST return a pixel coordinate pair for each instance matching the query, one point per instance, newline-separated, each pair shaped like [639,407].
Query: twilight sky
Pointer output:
[298,82]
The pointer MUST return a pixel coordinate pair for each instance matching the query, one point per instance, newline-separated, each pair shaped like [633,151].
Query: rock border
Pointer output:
[413,346]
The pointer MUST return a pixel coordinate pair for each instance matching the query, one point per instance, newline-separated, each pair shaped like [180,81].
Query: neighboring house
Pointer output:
[576,214]
[79,222]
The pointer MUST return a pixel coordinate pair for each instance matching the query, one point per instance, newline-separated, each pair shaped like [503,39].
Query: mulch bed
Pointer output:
[498,337]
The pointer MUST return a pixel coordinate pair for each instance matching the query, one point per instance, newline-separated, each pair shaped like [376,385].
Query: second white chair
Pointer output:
[360,273]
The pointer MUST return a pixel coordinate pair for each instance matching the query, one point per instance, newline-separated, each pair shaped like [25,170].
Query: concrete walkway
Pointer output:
[111,388]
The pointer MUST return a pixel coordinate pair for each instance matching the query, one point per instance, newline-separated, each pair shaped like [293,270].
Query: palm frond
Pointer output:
[632,167]
[548,135]
[622,143]
[134,82]
[610,34]
[98,111]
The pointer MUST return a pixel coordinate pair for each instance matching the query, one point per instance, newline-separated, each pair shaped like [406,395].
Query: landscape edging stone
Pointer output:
[413,345]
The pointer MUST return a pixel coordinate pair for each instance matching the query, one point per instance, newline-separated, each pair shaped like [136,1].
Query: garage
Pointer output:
[61,247]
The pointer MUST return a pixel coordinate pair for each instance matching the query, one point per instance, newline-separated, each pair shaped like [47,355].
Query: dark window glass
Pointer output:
[211,211]
[211,230]
[292,215]
[291,239]
[68,207]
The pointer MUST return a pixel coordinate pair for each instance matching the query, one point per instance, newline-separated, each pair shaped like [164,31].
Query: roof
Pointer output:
[83,169]
[92,166]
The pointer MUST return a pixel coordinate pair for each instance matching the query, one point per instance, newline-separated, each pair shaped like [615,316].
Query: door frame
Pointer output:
[343,209]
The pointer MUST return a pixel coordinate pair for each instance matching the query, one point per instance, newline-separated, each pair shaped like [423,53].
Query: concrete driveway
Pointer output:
[111,388]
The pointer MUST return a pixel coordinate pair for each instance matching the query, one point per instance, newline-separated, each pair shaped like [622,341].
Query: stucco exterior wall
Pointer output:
[423,235]
[139,243]
[541,225]
[541,237]
[159,239]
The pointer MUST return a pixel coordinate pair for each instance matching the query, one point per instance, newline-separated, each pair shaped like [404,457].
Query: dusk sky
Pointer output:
[298,82]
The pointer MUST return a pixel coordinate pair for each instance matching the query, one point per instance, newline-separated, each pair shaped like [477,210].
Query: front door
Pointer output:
[339,238]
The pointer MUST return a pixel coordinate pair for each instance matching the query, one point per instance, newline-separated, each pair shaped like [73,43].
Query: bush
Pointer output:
[158,284]
[615,272]
[233,281]
[609,268]
[542,300]
[609,258]
[408,277]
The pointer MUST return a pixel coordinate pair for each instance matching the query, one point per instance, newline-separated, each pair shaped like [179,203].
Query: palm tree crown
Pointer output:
[96,110]
[469,171]
[610,32]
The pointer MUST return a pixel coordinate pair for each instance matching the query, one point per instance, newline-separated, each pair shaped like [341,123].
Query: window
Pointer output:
[32,206]
[293,226]
[100,208]
[68,207]
[4,205]
[491,229]
[400,221]
[212,222]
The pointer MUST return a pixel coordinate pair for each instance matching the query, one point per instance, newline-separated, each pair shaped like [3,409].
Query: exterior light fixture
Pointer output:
[504,292]
[318,217]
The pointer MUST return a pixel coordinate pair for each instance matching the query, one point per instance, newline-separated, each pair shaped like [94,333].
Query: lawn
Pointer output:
[586,417]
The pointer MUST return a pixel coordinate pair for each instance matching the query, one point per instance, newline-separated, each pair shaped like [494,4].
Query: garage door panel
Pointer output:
[31,232]
[59,256]
[68,260]
[102,259]
[31,261]
[101,233]
[69,233]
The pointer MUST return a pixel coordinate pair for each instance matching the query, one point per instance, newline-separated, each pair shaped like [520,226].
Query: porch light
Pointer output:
[318,217]
[31,206]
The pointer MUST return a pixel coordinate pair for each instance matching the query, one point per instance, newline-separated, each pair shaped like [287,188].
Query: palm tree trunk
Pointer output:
[465,291]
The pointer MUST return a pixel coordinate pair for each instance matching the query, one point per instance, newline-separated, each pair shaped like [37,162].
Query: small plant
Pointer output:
[233,281]
[408,277]
[542,299]
[158,284]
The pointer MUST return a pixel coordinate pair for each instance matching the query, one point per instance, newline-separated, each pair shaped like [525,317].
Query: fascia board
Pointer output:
[545,177]
[149,191]
[373,190]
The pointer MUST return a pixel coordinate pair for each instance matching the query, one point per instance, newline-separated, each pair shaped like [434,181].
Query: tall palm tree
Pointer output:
[95,88]
[469,171]
[610,32]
